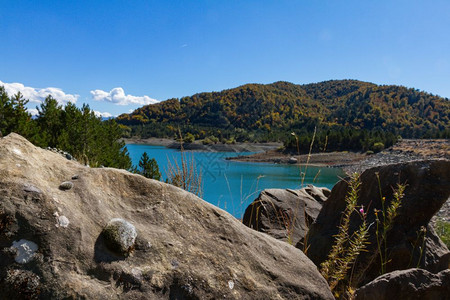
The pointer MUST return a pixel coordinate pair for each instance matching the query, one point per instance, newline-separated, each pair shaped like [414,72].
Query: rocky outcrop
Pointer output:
[407,285]
[170,243]
[285,214]
[428,187]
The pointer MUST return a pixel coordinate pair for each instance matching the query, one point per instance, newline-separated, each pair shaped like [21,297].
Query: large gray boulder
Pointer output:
[428,187]
[285,214]
[407,285]
[177,245]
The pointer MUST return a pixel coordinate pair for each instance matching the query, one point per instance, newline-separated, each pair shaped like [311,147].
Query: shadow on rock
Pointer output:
[103,254]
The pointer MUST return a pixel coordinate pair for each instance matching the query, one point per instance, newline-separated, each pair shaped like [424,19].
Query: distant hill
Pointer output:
[283,106]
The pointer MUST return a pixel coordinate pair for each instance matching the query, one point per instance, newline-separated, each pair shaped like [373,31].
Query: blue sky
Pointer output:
[118,55]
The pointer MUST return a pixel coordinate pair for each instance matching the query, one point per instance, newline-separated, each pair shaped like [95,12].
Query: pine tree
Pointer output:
[21,117]
[149,167]
[6,112]
[49,121]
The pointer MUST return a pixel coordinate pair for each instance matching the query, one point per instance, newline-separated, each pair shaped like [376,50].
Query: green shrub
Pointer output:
[443,231]
[377,147]
[210,140]
[189,138]
[207,141]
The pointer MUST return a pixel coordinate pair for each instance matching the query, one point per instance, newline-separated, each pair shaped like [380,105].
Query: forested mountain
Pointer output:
[264,112]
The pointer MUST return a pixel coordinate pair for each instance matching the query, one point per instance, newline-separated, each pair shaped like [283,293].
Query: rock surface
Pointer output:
[285,214]
[428,187]
[185,248]
[407,284]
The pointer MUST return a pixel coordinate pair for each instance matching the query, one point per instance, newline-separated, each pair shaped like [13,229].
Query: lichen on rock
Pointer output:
[25,250]
[63,221]
[24,283]
[119,236]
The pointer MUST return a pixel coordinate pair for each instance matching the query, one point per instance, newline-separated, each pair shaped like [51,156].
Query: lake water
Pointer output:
[232,185]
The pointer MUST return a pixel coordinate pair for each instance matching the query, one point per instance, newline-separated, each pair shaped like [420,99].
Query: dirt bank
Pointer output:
[198,146]
[319,159]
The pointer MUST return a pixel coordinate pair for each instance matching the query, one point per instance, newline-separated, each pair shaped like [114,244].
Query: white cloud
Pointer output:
[118,97]
[33,111]
[37,95]
[102,114]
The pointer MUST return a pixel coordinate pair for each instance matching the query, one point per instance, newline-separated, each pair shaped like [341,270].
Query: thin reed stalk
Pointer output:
[309,155]
[185,175]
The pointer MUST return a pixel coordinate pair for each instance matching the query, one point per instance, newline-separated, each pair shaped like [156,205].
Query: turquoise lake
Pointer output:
[232,185]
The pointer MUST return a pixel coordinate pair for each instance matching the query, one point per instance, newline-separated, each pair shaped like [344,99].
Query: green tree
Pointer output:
[148,167]
[49,121]
[6,112]
[112,150]
[21,117]
[70,136]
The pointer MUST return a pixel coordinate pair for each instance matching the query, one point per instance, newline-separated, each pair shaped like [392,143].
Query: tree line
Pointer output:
[75,130]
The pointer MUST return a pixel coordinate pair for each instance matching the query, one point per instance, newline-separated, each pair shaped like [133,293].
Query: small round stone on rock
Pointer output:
[119,236]
[31,189]
[66,185]
[292,160]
